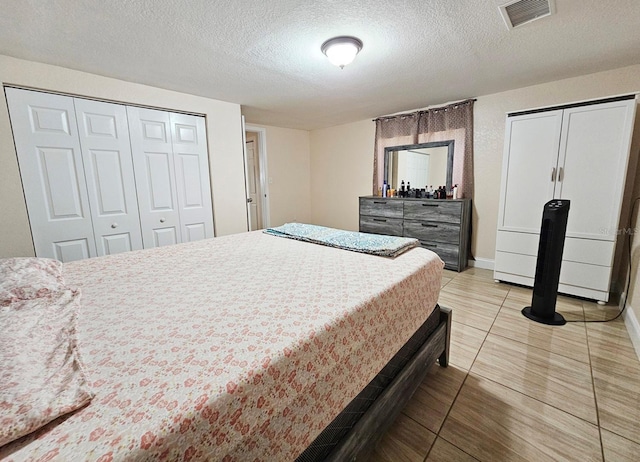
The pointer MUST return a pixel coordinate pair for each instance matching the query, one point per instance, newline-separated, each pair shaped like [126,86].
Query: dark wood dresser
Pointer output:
[441,225]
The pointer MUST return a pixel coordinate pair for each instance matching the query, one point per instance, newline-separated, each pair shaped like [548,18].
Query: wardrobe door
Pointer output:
[46,137]
[106,152]
[153,165]
[192,176]
[593,157]
[529,169]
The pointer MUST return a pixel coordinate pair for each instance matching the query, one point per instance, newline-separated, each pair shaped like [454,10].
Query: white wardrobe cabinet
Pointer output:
[102,178]
[579,153]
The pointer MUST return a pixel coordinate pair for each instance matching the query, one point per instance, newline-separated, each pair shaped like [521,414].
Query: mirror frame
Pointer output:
[433,144]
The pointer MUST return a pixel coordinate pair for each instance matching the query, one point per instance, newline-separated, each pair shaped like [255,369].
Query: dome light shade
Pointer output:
[341,50]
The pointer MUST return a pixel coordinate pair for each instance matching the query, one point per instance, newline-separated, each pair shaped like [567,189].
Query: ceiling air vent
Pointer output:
[519,12]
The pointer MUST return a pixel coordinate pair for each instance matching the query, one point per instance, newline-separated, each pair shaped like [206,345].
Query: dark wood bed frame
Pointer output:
[362,438]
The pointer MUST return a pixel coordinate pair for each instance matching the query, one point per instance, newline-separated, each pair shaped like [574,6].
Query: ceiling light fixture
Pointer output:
[341,50]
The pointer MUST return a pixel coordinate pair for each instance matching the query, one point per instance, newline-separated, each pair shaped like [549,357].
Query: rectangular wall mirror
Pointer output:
[422,165]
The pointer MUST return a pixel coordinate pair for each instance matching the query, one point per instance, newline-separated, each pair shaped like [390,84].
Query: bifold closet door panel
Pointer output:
[153,165]
[192,176]
[106,152]
[594,153]
[529,169]
[51,166]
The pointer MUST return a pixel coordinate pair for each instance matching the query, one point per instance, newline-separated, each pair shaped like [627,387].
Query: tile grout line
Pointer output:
[462,385]
[519,392]
[541,402]
[587,363]
[419,423]
[597,424]
[593,382]
[445,419]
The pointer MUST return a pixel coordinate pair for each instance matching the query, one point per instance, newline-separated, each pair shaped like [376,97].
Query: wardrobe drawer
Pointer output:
[593,277]
[577,250]
[448,253]
[433,210]
[381,207]
[433,231]
[381,225]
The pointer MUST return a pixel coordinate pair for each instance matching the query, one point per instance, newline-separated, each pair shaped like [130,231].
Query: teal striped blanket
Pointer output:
[374,244]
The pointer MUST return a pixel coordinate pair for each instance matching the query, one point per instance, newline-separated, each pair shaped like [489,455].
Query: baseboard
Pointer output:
[483,263]
[633,327]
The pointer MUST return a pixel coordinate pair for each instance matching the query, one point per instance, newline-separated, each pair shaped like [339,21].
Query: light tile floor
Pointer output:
[516,390]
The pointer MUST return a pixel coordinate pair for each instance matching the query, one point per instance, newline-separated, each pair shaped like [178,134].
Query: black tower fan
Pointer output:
[545,285]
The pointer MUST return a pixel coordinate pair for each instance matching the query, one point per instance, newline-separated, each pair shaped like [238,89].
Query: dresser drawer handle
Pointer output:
[381,203]
[380,219]
[430,205]
[426,225]
[433,246]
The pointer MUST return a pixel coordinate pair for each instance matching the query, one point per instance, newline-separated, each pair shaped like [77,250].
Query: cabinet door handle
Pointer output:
[560,174]
[430,205]
[376,202]
[553,174]
[426,225]
[380,219]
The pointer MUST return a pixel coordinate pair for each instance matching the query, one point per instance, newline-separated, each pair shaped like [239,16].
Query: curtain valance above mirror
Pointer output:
[452,122]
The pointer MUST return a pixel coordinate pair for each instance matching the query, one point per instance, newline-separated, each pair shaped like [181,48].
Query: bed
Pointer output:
[244,347]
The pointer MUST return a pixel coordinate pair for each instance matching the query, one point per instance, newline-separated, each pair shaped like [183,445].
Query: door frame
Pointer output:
[261,133]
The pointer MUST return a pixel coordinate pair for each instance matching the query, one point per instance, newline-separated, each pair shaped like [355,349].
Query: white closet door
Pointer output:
[529,169]
[192,176]
[45,132]
[106,152]
[153,166]
[593,154]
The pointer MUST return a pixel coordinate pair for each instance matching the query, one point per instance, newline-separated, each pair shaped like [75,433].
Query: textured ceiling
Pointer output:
[266,55]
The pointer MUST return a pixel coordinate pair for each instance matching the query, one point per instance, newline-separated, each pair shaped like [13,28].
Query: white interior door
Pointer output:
[106,153]
[593,157]
[153,165]
[529,169]
[253,186]
[192,176]
[45,132]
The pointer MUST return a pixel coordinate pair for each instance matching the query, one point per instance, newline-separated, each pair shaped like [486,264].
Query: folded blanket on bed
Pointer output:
[374,244]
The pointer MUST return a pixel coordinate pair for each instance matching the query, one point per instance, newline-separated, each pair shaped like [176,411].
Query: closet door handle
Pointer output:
[114,225]
[162,220]
[553,174]
[560,174]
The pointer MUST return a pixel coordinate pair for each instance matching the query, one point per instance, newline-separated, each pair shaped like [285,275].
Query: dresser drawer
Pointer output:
[433,231]
[390,208]
[433,210]
[447,252]
[381,225]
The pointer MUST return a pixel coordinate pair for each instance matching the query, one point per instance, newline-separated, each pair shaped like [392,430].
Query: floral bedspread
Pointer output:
[241,347]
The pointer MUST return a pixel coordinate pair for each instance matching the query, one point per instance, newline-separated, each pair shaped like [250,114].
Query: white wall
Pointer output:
[341,171]
[288,157]
[224,131]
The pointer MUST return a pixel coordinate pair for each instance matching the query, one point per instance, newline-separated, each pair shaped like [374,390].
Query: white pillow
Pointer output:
[41,377]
